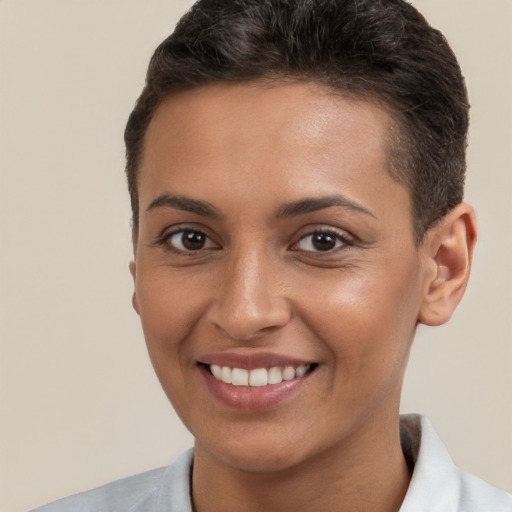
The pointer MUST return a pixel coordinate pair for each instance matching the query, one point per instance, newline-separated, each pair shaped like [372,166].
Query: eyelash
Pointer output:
[340,239]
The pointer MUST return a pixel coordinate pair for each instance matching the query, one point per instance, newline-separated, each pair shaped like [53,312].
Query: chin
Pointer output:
[260,461]
[261,454]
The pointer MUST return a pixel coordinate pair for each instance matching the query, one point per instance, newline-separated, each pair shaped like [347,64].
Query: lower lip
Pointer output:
[247,398]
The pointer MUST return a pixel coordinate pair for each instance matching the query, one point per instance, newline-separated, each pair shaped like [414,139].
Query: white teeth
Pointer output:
[239,377]
[258,377]
[226,374]
[289,373]
[217,371]
[301,371]
[275,376]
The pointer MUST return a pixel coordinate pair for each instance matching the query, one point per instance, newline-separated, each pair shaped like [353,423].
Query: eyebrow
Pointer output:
[313,204]
[166,200]
[293,209]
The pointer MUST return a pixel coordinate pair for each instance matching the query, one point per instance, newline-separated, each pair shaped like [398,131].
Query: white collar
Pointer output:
[437,485]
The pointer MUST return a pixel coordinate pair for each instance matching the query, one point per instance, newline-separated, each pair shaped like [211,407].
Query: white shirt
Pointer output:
[437,485]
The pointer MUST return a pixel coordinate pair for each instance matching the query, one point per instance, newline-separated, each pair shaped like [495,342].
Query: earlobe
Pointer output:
[133,272]
[448,249]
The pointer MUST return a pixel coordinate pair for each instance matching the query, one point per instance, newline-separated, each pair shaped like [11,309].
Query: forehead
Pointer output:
[266,141]
[299,113]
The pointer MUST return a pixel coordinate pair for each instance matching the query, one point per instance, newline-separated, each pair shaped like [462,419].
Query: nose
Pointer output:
[252,299]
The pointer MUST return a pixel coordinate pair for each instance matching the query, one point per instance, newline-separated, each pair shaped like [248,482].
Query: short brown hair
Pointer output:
[378,49]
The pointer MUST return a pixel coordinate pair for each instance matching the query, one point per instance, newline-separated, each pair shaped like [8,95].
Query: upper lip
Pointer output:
[251,361]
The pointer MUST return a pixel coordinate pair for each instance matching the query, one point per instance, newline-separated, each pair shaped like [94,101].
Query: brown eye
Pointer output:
[188,240]
[320,241]
[323,241]
[193,240]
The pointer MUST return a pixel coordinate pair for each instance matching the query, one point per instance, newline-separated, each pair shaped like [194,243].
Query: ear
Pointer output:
[133,272]
[448,250]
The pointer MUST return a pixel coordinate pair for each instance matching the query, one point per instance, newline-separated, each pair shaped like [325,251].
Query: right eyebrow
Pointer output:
[313,204]
[187,204]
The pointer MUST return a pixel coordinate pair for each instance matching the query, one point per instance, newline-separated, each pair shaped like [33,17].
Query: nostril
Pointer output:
[248,320]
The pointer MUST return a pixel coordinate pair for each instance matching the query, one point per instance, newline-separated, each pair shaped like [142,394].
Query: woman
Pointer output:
[296,174]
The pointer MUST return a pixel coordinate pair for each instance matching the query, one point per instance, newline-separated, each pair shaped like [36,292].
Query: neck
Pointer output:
[359,476]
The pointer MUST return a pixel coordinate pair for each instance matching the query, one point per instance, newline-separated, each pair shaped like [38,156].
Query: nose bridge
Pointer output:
[251,300]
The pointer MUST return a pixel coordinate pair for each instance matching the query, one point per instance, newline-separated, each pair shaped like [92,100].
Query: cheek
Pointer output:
[168,310]
[168,314]
[168,301]
[367,318]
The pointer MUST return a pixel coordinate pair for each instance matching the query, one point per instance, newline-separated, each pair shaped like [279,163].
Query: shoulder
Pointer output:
[114,496]
[437,485]
[477,495]
[138,493]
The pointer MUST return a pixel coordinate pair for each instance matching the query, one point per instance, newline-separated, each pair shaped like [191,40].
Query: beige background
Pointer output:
[79,403]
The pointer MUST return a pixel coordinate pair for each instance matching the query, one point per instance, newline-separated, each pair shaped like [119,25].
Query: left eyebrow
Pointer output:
[314,204]
[203,208]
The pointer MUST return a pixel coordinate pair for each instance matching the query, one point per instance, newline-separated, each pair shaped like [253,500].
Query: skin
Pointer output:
[258,285]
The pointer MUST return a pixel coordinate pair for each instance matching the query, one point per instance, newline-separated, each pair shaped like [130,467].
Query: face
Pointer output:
[276,274]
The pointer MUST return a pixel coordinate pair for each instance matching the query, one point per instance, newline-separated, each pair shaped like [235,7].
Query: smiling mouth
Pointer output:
[257,377]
